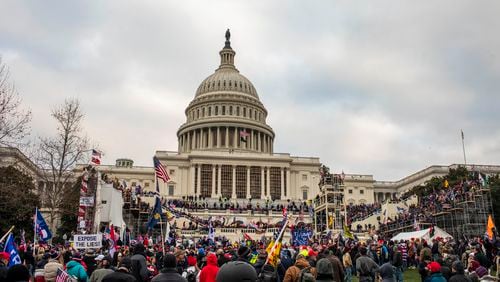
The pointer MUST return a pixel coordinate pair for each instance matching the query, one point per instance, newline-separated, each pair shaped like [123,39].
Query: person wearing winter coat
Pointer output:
[139,266]
[50,269]
[387,272]
[365,266]
[122,274]
[458,273]
[435,271]
[209,272]
[324,269]
[169,272]
[293,273]
[75,268]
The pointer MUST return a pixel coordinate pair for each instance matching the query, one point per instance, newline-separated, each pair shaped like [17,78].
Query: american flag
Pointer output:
[96,157]
[62,276]
[160,170]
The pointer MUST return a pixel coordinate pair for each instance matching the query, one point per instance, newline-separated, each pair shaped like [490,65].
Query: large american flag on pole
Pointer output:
[160,170]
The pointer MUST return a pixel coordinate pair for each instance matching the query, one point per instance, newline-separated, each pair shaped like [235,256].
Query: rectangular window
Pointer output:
[304,195]
[255,182]
[304,177]
[134,184]
[361,192]
[350,191]
[196,179]
[206,181]
[146,184]
[241,182]
[171,172]
[275,181]
[226,181]
[170,190]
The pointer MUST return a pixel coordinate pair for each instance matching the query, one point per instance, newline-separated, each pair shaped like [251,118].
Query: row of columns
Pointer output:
[265,185]
[381,196]
[203,139]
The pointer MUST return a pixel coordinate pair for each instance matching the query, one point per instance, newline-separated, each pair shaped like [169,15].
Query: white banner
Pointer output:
[87,201]
[88,241]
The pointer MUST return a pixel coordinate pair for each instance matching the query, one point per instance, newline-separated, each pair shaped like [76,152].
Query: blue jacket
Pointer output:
[436,277]
[76,270]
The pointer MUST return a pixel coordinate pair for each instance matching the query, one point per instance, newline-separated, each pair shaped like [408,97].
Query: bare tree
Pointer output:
[14,122]
[59,154]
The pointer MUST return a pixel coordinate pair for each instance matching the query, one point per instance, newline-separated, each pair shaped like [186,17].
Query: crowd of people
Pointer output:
[432,202]
[442,259]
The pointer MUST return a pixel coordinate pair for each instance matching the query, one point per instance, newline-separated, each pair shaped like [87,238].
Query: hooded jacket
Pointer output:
[209,272]
[76,269]
[51,270]
[292,274]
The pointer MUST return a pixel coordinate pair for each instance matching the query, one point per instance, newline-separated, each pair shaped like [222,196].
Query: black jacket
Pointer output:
[169,275]
[119,276]
[459,278]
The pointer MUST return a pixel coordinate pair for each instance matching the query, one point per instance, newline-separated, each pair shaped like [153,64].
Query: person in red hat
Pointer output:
[435,272]
[192,270]
[4,261]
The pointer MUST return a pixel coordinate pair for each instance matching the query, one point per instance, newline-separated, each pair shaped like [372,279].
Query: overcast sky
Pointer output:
[370,87]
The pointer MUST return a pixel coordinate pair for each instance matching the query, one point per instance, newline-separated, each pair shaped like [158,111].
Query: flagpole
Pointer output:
[34,230]
[463,147]
[7,234]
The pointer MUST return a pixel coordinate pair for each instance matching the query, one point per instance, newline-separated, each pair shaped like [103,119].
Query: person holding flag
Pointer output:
[11,250]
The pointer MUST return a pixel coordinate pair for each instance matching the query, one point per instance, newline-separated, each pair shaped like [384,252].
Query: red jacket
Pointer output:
[209,272]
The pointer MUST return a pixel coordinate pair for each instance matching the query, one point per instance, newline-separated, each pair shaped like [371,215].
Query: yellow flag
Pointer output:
[273,258]
[446,184]
[270,246]
[347,232]
[330,221]
[489,227]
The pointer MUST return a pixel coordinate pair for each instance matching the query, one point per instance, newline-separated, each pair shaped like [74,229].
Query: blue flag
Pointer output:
[42,229]
[156,214]
[12,250]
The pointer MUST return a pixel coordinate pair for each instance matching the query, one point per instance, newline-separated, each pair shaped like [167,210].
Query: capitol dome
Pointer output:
[226,113]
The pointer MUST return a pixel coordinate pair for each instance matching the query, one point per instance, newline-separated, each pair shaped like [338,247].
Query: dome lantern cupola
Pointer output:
[227,54]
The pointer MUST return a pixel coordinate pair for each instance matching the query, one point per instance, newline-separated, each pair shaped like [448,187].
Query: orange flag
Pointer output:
[489,227]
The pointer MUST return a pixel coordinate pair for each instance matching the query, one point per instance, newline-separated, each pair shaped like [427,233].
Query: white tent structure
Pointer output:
[422,234]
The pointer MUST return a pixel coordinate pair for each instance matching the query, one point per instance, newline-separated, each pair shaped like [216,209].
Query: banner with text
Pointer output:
[87,201]
[300,237]
[88,241]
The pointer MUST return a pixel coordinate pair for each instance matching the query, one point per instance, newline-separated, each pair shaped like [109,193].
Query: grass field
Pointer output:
[410,275]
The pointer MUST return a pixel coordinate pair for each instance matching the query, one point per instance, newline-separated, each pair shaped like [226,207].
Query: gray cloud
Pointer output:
[376,88]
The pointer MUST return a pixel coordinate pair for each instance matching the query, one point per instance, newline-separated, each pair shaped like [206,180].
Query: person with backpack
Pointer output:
[301,271]
[192,271]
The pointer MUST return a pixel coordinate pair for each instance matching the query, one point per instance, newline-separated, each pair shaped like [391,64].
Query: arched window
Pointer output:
[244,112]
[197,113]
[223,110]
[231,110]
[238,111]
[216,111]
[203,112]
[209,111]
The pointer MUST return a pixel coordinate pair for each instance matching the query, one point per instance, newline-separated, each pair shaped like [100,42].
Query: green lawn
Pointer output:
[410,275]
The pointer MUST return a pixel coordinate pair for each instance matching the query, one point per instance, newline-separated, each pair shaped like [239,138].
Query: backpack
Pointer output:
[191,276]
[306,275]
[268,274]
